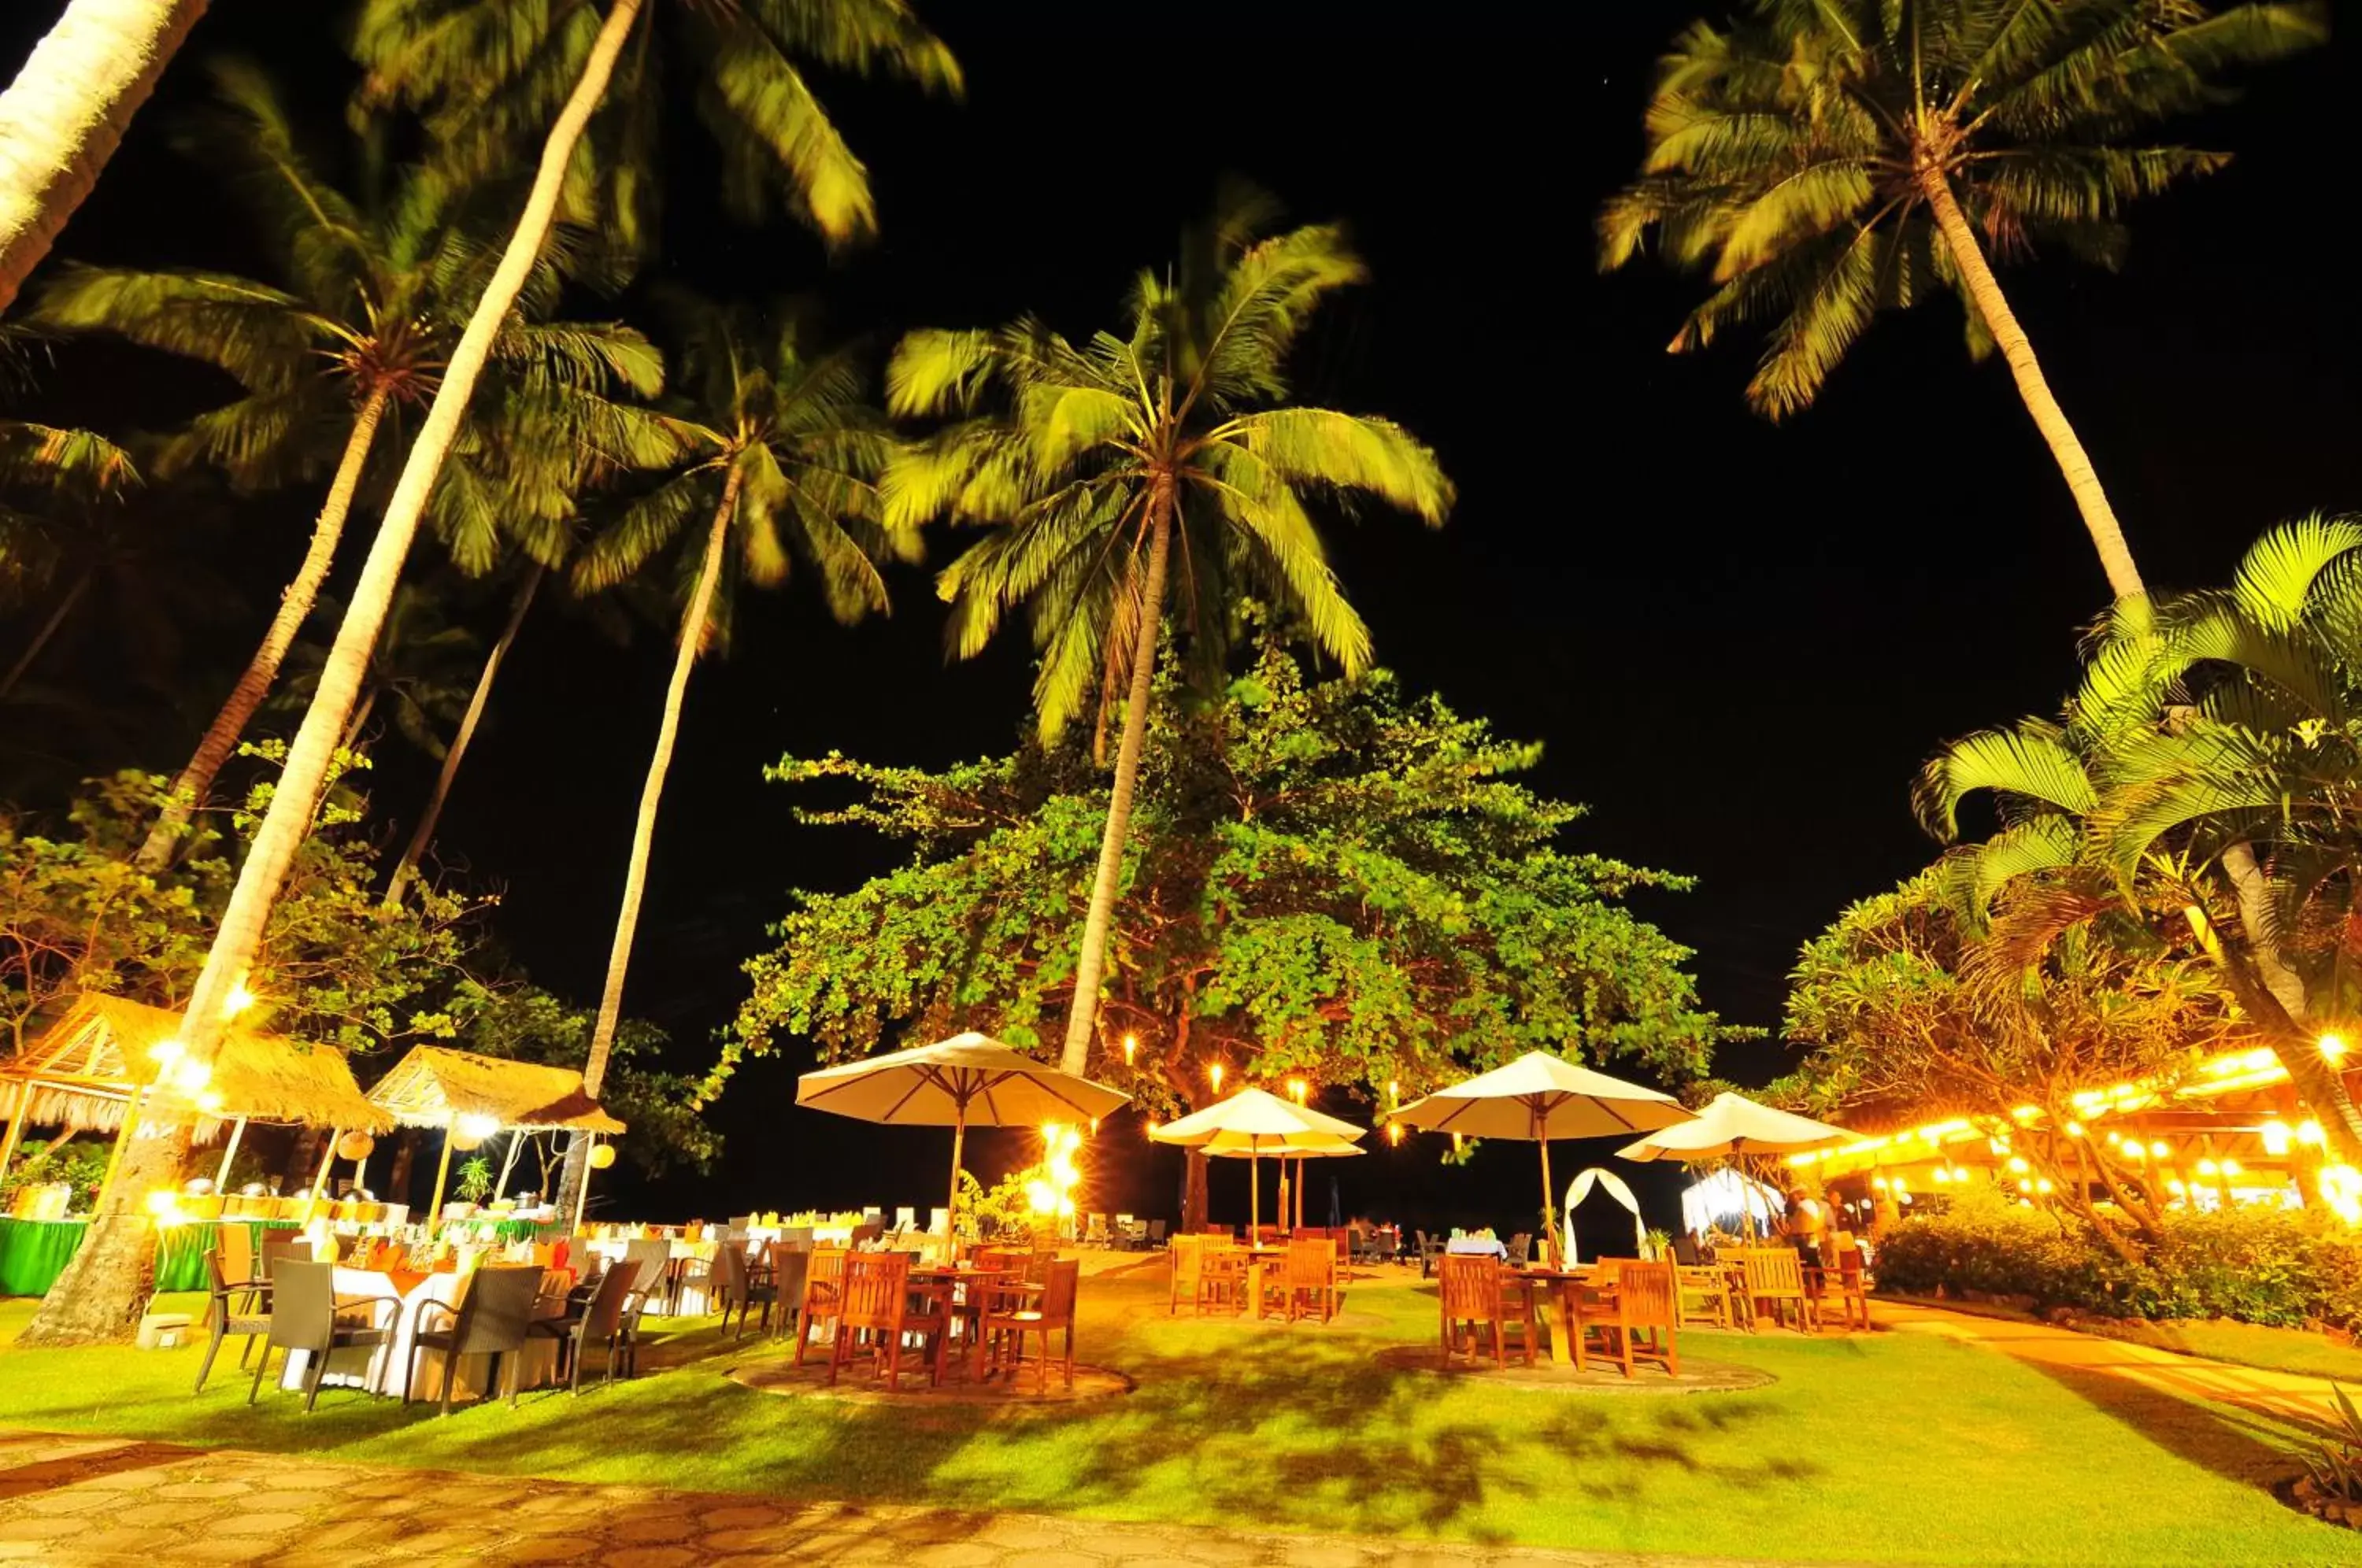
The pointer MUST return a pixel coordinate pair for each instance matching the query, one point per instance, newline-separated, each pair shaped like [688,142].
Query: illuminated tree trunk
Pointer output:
[98,1296]
[64,115]
[644,832]
[424,835]
[2066,449]
[1082,1014]
[57,618]
[221,737]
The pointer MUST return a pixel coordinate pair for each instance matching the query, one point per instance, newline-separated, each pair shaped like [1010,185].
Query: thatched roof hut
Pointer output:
[435,1085]
[81,1071]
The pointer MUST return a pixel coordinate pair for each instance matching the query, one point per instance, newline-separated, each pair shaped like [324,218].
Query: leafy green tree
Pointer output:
[1333,880]
[785,457]
[1926,996]
[1094,464]
[1824,159]
[370,298]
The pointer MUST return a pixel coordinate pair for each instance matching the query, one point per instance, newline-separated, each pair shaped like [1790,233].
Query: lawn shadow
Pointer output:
[2255,1446]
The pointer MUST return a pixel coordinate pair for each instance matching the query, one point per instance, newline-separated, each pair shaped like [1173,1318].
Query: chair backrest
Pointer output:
[867,1230]
[1648,1295]
[219,1281]
[790,1265]
[1188,1259]
[303,1304]
[238,1250]
[278,1244]
[1685,1252]
[876,1291]
[604,1317]
[730,1272]
[647,1260]
[824,1281]
[1471,1288]
[1521,1248]
[1155,1231]
[1772,1271]
[496,1310]
[1223,1230]
[1094,1227]
[1058,1292]
[796,1235]
[1311,1263]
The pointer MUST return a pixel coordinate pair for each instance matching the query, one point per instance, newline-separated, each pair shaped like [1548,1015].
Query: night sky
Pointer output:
[1737,641]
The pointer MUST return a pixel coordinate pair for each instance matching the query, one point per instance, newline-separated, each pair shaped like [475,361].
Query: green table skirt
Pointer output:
[33,1252]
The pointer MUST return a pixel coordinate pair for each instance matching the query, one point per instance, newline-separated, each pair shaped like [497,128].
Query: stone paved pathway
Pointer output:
[2287,1396]
[83,1502]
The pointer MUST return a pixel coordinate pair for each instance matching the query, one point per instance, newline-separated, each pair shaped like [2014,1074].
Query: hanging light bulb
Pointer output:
[1131,1047]
[1215,1073]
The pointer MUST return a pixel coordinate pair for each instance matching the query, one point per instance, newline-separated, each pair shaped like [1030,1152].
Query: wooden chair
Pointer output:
[238,1306]
[824,1292]
[874,1299]
[1478,1304]
[1775,1282]
[1009,1316]
[494,1318]
[1185,1257]
[1648,1301]
[304,1316]
[1843,1279]
[1221,1276]
[1709,1289]
[1310,1276]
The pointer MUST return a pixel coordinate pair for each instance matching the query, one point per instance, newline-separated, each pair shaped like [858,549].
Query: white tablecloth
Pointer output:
[381,1368]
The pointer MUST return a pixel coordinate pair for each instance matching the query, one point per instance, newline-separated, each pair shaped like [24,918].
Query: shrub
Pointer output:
[2273,1266]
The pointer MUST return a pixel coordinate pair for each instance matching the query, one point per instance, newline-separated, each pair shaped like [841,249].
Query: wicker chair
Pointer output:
[1480,1305]
[606,1320]
[494,1318]
[305,1317]
[241,1307]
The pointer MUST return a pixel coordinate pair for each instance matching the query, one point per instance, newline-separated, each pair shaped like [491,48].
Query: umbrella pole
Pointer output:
[442,1172]
[1254,1198]
[951,1209]
[1549,1217]
[9,1140]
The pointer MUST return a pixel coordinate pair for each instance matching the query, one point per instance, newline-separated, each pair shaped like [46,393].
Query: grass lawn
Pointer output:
[1891,1449]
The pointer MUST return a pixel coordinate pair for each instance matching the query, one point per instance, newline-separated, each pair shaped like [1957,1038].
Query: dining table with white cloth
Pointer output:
[380,1369]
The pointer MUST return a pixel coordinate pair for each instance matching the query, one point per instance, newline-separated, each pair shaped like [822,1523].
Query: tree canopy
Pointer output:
[1330,879]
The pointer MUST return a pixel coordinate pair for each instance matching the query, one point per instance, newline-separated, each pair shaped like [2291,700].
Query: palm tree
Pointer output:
[45,464]
[1099,461]
[63,116]
[786,460]
[2217,721]
[374,296]
[418,670]
[1824,160]
[490,74]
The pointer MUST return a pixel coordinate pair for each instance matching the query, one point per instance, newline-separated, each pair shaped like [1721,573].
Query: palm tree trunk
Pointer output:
[1082,1014]
[352,736]
[424,835]
[221,737]
[635,870]
[98,1296]
[2321,1086]
[48,629]
[67,109]
[2115,556]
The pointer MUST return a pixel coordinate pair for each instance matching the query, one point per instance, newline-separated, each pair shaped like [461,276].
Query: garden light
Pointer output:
[2159,1150]
[2232,1168]
[2333,1049]
[164,1053]
[192,1077]
[2275,1137]
[478,1126]
[2207,1167]
[2043,1185]
[1215,1073]
[1393,1133]
[239,1000]
[2309,1133]
[2017,1166]
[1295,1089]
[1131,1047]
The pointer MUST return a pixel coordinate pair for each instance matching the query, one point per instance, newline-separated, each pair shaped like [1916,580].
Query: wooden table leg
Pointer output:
[1566,1325]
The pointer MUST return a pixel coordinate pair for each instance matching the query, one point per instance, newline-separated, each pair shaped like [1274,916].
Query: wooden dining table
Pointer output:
[1567,1289]
[958,1294]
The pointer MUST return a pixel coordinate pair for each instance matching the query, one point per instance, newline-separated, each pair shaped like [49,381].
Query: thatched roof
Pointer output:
[435,1083]
[82,1070]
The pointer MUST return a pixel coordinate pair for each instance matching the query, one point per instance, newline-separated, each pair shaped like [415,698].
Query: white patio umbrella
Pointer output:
[1251,1124]
[1539,1096]
[1733,1124]
[968,1080]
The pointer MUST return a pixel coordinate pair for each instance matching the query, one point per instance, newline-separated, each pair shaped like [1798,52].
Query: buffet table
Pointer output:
[382,1368]
[33,1252]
